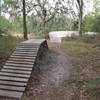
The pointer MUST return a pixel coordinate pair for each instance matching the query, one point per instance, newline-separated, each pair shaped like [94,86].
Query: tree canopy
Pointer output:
[43,16]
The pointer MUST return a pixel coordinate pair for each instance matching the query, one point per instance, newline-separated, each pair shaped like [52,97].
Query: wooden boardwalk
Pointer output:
[15,74]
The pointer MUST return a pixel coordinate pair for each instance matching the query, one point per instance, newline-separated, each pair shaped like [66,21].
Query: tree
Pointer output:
[13,8]
[0,7]
[5,25]
[80,20]
[96,7]
[45,10]
[96,24]
[24,21]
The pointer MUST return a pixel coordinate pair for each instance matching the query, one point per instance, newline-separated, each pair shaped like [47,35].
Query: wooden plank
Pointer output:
[19,65]
[24,60]
[29,44]
[13,94]
[21,57]
[27,48]
[13,88]
[16,71]
[20,62]
[24,49]
[28,53]
[17,68]
[2,82]
[7,78]
[24,56]
[14,75]
[23,52]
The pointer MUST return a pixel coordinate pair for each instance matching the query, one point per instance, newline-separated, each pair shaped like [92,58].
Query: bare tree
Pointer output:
[24,21]
[80,8]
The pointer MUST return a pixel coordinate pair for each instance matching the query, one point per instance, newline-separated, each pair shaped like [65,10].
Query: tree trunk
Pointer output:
[80,23]
[24,22]
[80,26]
[44,27]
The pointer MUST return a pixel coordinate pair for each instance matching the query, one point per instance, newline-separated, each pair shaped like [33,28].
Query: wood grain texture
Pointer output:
[15,74]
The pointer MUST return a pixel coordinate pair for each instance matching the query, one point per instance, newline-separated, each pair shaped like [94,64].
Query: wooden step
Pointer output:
[23,60]
[27,51]
[17,68]
[12,88]
[29,44]
[11,83]
[25,56]
[14,75]
[13,94]
[19,57]
[19,65]
[20,62]
[28,55]
[16,71]
[7,78]
[27,48]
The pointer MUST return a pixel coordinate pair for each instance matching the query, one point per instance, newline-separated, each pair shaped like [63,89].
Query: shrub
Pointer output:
[5,25]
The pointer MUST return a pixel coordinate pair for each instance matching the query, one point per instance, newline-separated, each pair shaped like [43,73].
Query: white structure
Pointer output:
[57,36]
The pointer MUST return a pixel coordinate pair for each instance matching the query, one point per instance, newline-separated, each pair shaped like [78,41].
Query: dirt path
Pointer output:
[55,66]
[49,81]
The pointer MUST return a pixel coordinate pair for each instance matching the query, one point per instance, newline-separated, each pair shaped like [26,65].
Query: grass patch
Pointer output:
[85,52]
[7,45]
[98,64]
[89,86]
[92,39]
[90,83]
[75,48]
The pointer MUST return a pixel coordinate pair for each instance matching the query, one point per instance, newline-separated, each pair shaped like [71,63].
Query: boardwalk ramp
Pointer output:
[16,72]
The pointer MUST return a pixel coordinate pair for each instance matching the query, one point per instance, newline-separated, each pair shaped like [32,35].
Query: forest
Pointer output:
[69,70]
[44,16]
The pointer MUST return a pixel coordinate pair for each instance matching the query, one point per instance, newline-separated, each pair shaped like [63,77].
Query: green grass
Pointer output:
[98,65]
[7,45]
[86,55]
[92,39]
[90,86]
[76,48]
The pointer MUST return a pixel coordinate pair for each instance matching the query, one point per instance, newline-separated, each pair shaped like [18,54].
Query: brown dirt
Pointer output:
[53,70]
[50,76]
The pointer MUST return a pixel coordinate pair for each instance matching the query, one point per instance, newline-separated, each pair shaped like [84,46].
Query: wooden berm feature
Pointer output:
[16,72]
